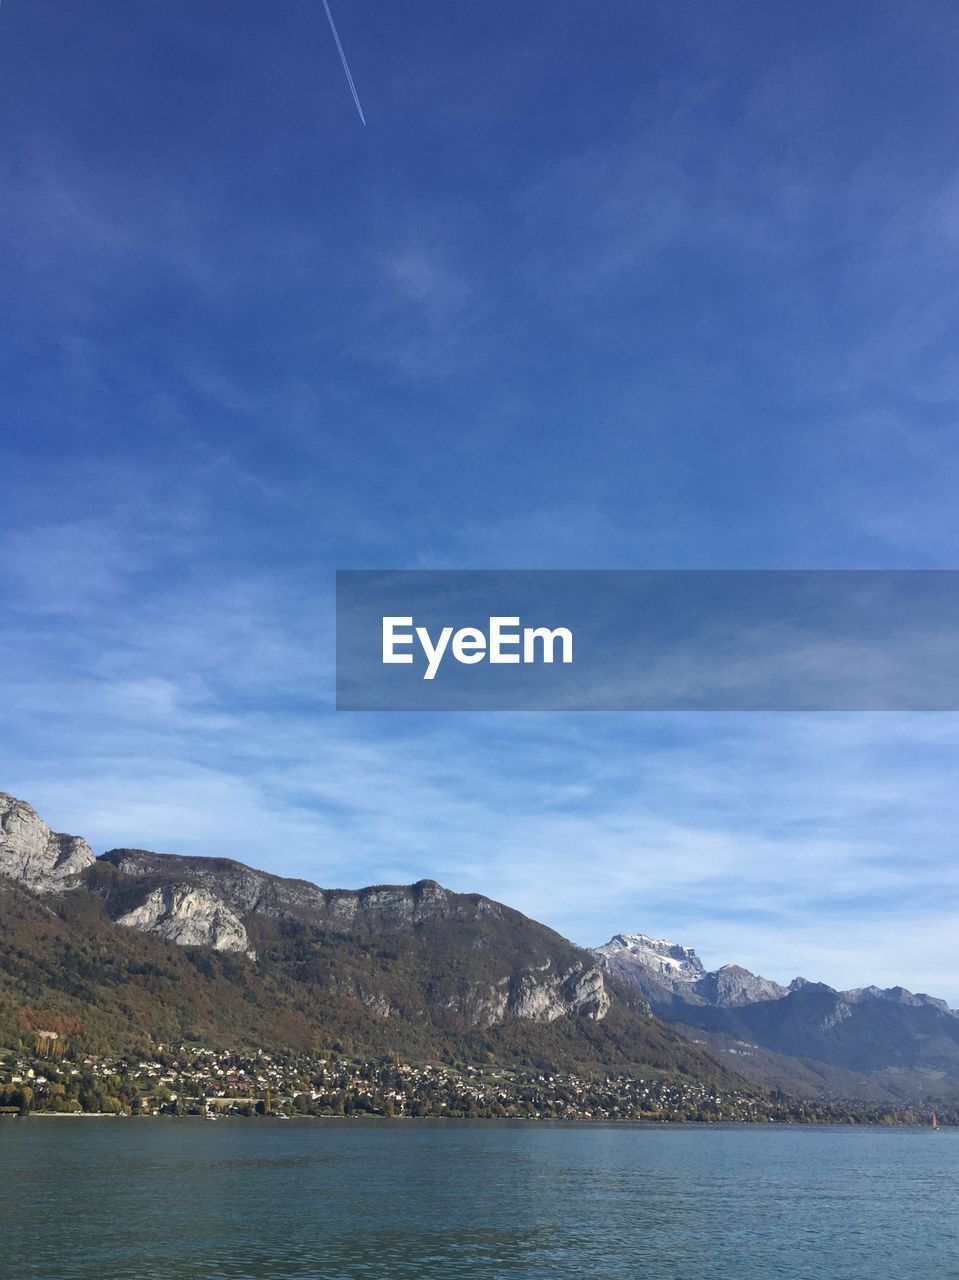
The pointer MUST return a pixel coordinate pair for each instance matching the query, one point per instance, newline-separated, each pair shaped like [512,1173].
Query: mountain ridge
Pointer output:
[137,946]
[865,1039]
[660,957]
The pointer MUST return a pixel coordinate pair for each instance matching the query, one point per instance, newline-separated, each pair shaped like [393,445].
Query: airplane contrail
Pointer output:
[346,65]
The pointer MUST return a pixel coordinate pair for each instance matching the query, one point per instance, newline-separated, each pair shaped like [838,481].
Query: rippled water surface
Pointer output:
[87,1199]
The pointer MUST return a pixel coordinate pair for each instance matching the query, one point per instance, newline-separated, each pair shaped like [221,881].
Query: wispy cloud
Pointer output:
[765,841]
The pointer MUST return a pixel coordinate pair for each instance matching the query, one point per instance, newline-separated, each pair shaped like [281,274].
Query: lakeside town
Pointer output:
[192,1080]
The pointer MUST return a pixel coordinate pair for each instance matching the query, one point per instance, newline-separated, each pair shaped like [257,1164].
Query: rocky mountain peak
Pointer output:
[668,960]
[806,984]
[733,985]
[42,860]
[664,969]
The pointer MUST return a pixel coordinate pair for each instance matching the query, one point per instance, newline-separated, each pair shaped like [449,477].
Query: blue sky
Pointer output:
[599,286]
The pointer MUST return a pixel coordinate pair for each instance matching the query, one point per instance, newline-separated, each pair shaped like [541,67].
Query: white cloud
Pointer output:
[788,844]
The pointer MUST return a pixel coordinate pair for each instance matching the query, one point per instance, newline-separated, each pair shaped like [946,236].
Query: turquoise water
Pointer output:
[238,1199]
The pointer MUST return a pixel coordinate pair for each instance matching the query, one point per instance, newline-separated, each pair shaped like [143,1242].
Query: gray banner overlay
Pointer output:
[638,640]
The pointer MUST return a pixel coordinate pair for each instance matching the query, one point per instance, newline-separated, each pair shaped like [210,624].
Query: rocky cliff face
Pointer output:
[42,860]
[543,995]
[190,917]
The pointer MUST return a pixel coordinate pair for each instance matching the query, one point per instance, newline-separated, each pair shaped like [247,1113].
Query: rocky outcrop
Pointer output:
[543,996]
[538,993]
[42,860]
[190,917]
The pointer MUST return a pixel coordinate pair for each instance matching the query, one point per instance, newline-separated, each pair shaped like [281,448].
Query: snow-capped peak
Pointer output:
[680,964]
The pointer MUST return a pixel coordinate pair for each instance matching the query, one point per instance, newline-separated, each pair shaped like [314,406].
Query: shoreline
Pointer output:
[545,1122]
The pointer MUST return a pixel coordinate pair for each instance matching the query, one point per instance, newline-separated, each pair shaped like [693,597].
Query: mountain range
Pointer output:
[135,947]
[805,1037]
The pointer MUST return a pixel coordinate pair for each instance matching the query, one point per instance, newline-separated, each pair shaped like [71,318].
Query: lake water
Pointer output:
[88,1199]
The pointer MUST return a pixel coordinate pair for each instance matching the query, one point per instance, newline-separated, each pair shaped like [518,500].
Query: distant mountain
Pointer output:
[135,947]
[865,1042]
[664,967]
